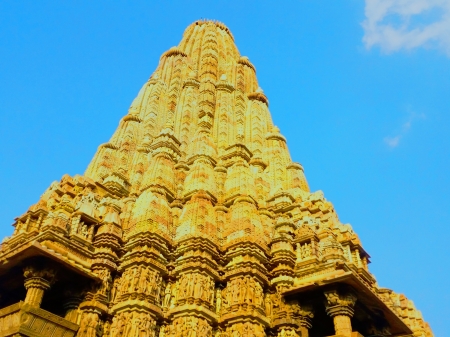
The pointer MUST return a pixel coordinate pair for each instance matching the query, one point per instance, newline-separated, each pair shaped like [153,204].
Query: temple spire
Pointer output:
[193,220]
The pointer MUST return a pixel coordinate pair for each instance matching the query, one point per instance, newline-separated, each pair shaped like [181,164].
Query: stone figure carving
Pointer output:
[157,288]
[218,301]
[146,328]
[113,332]
[162,331]
[174,296]
[135,279]
[124,282]
[88,325]
[84,231]
[87,204]
[268,305]
[74,224]
[247,329]
[303,251]
[105,287]
[306,250]
[211,292]
[104,329]
[190,326]
[115,289]
[198,286]
[335,298]
[190,285]
[142,283]
[259,296]
[244,290]
[167,295]
[141,280]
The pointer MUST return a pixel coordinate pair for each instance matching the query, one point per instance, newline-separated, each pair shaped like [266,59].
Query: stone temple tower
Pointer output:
[193,221]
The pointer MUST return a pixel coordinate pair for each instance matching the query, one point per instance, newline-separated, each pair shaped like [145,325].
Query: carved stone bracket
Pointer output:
[306,314]
[36,282]
[340,306]
[340,310]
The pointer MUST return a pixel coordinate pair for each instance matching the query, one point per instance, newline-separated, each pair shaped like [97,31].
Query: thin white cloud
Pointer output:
[394,141]
[394,25]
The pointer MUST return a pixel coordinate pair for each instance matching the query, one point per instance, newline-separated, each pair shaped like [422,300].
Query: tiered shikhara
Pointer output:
[193,221]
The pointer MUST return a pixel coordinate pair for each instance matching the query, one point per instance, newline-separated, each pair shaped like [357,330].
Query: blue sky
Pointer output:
[361,90]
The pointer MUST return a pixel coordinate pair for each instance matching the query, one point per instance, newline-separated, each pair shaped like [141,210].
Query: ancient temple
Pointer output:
[193,221]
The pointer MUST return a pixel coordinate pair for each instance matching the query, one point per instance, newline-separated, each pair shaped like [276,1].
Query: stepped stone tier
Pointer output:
[193,221]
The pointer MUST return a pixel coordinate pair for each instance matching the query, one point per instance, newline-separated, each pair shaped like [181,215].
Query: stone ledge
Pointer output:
[23,319]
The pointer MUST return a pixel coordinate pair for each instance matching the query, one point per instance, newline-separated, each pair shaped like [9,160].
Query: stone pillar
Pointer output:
[305,320]
[71,305]
[339,305]
[36,282]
